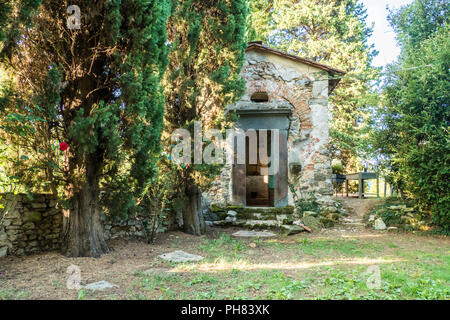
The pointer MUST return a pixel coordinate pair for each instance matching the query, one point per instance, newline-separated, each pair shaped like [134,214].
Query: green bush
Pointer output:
[415,114]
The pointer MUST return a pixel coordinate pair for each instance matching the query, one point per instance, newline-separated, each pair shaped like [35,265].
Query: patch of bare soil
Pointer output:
[45,275]
[359,207]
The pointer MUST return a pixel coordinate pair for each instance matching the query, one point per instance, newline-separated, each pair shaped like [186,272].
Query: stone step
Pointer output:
[253,224]
[253,213]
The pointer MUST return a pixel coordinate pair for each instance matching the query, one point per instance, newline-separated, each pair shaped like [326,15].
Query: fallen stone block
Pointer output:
[100,286]
[379,224]
[180,256]
[232,213]
[313,223]
[294,229]
[254,234]
[262,223]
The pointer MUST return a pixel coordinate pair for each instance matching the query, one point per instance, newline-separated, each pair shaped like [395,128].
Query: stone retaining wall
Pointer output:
[29,225]
[123,228]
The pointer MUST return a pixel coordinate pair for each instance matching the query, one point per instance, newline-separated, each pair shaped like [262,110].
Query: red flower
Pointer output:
[63,146]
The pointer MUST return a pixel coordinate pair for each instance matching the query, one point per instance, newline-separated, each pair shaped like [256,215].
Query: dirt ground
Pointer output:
[359,207]
[44,276]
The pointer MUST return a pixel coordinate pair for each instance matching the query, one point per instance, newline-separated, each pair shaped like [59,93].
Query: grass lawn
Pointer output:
[329,265]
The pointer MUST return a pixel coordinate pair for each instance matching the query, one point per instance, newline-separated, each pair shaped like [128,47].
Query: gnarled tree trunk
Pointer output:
[83,228]
[193,221]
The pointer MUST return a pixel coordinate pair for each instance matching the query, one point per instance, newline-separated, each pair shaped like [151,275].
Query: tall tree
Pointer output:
[413,128]
[207,54]
[334,33]
[92,87]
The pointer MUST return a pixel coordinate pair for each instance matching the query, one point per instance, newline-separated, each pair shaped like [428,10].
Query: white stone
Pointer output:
[254,234]
[372,217]
[379,224]
[180,256]
[230,219]
[232,213]
[100,286]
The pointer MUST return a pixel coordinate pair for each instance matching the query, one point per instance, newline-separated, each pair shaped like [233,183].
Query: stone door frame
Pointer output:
[264,119]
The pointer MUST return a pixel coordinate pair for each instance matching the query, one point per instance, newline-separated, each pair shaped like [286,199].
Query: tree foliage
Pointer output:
[413,131]
[334,33]
[207,53]
[96,88]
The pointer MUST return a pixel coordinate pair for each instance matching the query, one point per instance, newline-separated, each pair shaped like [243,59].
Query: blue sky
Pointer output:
[383,36]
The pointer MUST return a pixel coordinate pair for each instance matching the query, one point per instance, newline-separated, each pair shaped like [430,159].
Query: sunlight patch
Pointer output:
[247,266]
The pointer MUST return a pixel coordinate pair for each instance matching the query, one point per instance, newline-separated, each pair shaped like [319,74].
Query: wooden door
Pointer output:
[281,178]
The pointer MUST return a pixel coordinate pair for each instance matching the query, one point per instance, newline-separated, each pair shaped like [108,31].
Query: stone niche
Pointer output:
[290,94]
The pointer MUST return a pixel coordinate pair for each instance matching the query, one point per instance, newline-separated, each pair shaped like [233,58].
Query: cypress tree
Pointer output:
[93,90]
[207,53]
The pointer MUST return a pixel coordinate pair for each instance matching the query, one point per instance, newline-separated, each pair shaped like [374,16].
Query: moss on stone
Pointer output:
[312,223]
[217,208]
[327,223]
[283,215]
[32,216]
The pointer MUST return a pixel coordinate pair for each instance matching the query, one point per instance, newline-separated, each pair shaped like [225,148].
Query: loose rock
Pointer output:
[180,256]
[291,230]
[254,234]
[230,219]
[232,213]
[379,224]
[100,286]
[3,252]
[312,223]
